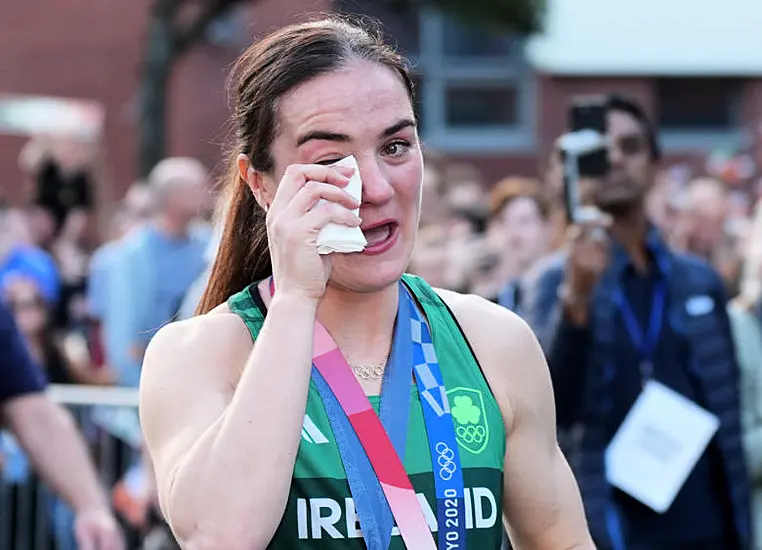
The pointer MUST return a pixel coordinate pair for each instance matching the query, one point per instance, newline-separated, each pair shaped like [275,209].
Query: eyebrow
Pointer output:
[401,125]
[322,135]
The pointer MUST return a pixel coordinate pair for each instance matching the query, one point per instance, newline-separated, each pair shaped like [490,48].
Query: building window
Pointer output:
[476,104]
[474,90]
[699,113]
[479,96]
[699,103]
[462,41]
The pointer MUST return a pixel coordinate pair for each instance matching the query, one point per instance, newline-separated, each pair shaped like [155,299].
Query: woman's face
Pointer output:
[363,110]
[525,233]
[23,297]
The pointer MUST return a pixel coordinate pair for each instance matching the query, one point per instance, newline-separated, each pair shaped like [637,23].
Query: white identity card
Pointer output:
[658,445]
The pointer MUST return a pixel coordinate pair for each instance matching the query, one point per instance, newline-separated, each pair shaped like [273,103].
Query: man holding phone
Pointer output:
[634,330]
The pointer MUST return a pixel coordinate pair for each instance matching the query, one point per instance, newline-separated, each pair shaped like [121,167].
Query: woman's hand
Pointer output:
[294,220]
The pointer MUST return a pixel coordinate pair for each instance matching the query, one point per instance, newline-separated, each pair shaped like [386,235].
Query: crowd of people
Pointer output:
[88,303]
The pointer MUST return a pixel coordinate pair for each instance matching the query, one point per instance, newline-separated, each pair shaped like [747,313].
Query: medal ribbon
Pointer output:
[380,464]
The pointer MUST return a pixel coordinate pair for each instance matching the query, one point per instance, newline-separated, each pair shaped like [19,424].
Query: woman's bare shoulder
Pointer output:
[218,341]
[219,326]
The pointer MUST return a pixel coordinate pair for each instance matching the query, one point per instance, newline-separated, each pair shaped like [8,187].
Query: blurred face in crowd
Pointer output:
[186,200]
[432,203]
[430,258]
[138,203]
[25,301]
[42,226]
[739,205]
[466,203]
[664,206]
[14,229]
[135,210]
[75,226]
[525,233]
[706,213]
[632,169]
[179,189]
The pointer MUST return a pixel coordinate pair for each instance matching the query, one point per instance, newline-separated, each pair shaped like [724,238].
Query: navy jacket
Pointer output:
[19,376]
[582,361]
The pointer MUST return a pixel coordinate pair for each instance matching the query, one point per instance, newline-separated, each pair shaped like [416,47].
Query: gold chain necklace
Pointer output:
[369,372]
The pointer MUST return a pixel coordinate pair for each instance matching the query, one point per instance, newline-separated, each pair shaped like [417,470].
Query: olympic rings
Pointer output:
[447,466]
[471,434]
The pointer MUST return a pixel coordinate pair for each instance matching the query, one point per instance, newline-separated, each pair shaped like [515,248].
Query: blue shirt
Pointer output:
[97,281]
[148,275]
[510,296]
[700,510]
[18,373]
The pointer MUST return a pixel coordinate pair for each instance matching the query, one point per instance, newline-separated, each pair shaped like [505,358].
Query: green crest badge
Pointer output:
[471,428]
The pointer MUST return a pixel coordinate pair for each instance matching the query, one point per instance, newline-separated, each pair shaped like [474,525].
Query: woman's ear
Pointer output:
[255,180]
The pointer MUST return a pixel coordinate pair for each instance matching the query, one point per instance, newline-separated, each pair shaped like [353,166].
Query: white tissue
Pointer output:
[342,238]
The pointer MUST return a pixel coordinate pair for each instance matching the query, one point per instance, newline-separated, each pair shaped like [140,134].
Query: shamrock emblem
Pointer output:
[464,410]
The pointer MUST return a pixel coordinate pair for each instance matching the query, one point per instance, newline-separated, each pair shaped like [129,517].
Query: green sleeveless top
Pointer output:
[320,512]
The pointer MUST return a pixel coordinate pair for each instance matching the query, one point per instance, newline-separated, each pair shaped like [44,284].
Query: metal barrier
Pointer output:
[31,517]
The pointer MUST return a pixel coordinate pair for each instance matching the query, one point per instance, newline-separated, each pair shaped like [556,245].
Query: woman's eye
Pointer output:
[397,148]
[328,162]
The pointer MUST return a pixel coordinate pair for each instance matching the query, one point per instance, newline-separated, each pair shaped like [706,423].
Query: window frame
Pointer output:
[437,70]
[676,140]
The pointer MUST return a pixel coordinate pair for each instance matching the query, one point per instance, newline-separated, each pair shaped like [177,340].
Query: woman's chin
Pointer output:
[368,275]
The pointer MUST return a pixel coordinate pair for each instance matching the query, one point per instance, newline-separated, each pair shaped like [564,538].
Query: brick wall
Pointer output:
[91,49]
[80,49]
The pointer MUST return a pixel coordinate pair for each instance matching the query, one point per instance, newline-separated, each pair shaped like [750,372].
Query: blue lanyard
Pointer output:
[413,349]
[645,342]
[448,474]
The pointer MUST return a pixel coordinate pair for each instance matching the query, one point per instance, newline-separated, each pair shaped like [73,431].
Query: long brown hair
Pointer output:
[269,69]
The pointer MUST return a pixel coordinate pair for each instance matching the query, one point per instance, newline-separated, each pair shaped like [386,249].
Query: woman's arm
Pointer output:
[50,438]
[543,508]
[222,422]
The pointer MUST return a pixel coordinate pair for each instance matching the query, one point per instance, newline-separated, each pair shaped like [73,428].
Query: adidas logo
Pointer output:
[311,433]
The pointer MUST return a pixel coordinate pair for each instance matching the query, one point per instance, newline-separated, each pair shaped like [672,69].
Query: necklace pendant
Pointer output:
[368,372]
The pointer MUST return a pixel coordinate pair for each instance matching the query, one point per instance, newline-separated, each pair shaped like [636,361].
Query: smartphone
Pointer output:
[589,113]
[585,113]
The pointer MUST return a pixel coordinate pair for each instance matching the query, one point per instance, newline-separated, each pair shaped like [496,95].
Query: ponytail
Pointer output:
[243,256]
